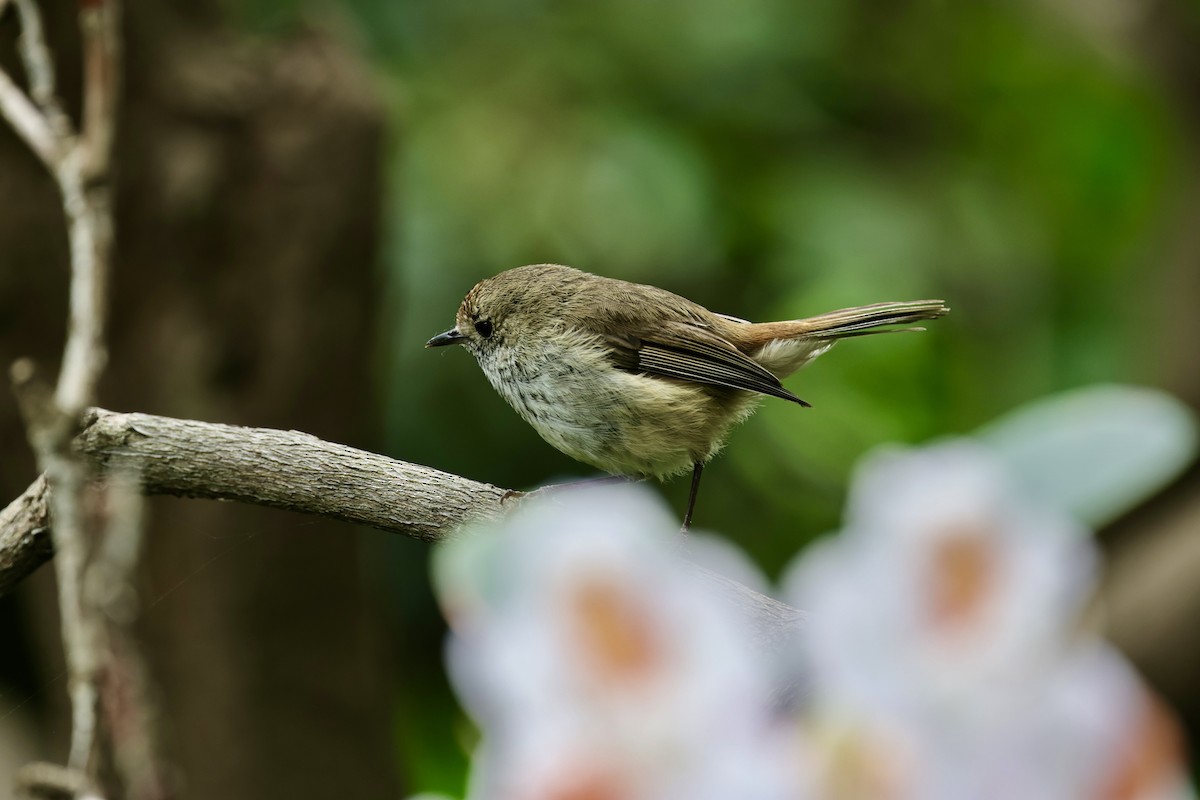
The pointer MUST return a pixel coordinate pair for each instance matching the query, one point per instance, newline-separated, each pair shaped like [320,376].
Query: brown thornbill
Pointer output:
[636,380]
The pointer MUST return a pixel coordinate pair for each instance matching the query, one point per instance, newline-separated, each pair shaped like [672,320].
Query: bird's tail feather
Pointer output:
[784,347]
[844,323]
[878,318]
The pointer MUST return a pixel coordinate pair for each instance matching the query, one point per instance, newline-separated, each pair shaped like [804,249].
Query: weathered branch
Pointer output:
[294,471]
[283,469]
[25,535]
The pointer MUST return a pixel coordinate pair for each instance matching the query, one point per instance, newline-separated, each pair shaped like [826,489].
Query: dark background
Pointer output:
[306,191]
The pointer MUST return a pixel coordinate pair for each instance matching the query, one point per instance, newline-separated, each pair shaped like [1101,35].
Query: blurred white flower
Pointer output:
[941,651]
[940,660]
[944,592]
[600,664]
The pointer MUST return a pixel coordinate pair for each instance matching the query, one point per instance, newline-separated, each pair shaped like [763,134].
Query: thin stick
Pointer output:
[39,67]
[27,121]
[81,167]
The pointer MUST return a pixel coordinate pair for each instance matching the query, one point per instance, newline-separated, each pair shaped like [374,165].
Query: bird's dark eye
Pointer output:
[483,327]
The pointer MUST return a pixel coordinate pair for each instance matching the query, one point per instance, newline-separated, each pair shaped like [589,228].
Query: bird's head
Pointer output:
[508,307]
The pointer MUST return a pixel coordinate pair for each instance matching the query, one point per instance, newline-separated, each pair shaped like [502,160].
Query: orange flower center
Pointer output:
[961,578]
[617,639]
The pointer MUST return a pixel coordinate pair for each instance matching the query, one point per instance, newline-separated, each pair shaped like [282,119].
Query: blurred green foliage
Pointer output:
[773,159]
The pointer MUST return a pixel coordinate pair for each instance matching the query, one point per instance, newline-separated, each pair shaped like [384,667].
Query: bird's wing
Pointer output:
[691,351]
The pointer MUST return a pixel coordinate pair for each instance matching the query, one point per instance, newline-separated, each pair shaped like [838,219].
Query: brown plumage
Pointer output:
[636,380]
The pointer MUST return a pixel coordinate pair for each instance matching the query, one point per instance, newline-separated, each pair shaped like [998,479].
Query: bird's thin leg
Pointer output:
[697,469]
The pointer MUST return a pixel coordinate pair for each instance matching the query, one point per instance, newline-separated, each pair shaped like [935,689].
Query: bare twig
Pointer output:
[39,68]
[83,177]
[49,431]
[41,781]
[35,54]
[90,228]
[80,165]
[27,121]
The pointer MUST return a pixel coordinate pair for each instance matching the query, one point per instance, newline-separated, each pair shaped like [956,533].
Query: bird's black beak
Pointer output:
[451,336]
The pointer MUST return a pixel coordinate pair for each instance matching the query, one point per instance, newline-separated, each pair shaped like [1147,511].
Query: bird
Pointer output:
[633,379]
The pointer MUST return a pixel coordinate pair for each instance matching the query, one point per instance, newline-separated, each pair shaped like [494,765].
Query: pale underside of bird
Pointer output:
[636,380]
